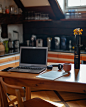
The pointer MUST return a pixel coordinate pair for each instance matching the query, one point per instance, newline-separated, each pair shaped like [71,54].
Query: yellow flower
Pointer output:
[77,31]
[81,30]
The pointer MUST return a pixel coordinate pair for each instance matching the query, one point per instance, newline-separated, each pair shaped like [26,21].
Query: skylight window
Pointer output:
[72,3]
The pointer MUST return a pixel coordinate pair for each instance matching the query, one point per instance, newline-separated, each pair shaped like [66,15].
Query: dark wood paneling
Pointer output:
[50,31]
[54,27]
[11,19]
[53,24]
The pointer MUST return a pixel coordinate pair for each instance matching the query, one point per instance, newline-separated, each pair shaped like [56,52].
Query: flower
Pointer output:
[77,31]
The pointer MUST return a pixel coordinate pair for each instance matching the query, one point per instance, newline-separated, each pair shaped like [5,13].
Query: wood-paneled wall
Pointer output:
[61,57]
[62,27]
[9,61]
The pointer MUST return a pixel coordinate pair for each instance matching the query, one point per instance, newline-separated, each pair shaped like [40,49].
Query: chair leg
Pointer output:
[20,103]
[4,102]
[28,93]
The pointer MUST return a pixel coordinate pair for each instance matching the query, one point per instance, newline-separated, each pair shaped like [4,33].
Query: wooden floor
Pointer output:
[63,99]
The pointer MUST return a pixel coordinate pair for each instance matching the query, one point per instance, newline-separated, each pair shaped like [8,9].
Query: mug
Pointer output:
[67,67]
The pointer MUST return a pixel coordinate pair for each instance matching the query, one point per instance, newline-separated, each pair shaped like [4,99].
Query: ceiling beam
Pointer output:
[19,4]
[56,9]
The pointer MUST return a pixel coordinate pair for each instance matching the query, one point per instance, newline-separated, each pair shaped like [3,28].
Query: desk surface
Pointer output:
[65,83]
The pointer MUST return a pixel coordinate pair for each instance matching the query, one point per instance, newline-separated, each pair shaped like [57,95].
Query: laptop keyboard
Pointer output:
[31,68]
[35,70]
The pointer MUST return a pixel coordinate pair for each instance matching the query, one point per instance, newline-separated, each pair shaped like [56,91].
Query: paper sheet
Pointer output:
[51,75]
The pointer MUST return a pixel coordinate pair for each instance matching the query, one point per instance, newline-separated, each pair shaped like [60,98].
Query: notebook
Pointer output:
[32,60]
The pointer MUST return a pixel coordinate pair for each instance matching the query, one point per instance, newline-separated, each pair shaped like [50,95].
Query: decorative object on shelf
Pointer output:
[3,45]
[49,39]
[63,43]
[16,45]
[10,45]
[39,42]
[28,42]
[11,9]
[0,8]
[15,41]
[77,33]
[57,42]
[6,46]
[33,41]
[32,15]
[70,46]
[73,13]
[2,48]
[19,10]
[6,10]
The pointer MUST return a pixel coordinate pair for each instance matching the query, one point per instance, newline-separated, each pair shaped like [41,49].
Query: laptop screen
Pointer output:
[33,56]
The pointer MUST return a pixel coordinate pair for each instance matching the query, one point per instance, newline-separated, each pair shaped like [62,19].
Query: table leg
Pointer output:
[28,93]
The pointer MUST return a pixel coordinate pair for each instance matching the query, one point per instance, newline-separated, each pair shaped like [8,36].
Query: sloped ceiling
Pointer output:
[50,7]
[30,3]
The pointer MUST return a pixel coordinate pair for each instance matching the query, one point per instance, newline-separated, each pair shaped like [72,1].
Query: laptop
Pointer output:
[32,60]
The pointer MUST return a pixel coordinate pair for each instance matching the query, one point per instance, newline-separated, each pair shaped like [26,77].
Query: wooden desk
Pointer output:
[65,83]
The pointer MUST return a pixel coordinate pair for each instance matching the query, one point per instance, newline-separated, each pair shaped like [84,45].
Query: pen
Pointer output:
[42,72]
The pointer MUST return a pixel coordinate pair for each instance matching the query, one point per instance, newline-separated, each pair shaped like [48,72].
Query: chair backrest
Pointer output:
[13,90]
[37,102]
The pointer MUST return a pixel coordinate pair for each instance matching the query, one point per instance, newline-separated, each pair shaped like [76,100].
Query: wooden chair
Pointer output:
[10,90]
[35,102]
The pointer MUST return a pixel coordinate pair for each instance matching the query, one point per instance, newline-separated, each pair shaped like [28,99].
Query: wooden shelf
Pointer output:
[37,20]
[11,19]
[74,19]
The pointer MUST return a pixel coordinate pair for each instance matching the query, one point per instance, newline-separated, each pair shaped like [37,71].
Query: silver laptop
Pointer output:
[32,60]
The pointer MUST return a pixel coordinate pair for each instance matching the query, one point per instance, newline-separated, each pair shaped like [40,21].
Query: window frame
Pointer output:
[73,7]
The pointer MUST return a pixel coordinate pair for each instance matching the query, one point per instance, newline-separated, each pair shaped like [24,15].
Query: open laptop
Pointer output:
[32,60]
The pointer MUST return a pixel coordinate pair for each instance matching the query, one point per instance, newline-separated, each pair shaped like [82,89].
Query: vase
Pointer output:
[77,57]
[2,48]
